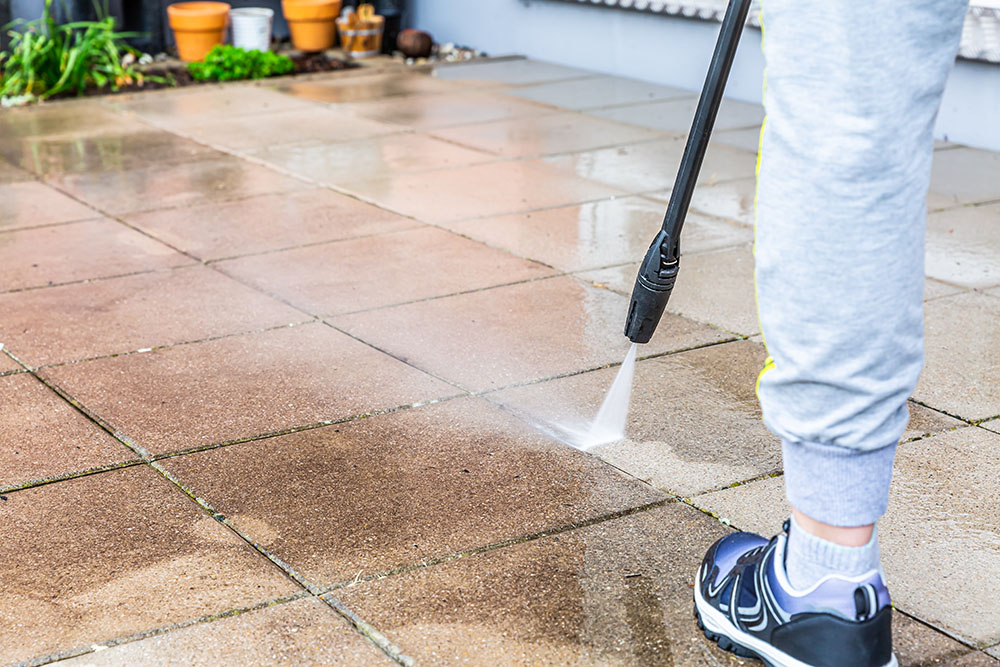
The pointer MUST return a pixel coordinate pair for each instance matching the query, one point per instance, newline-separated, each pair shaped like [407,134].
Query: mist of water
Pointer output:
[609,425]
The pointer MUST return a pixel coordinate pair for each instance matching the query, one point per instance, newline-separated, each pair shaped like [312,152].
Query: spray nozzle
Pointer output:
[652,288]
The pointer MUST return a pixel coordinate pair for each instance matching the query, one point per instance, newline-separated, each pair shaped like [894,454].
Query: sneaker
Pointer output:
[743,601]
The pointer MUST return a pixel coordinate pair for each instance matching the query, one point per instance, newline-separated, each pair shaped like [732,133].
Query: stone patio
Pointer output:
[274,355]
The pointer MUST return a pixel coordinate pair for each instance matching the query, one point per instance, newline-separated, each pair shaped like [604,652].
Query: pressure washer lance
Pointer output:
[662,262]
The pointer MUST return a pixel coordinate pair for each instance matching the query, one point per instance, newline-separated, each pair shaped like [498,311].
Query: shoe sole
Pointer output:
[719,629]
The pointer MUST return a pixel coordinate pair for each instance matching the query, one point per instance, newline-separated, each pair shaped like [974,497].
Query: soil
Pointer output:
[305,63]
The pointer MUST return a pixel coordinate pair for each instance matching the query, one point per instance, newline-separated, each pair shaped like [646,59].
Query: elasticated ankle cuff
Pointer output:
[835,485]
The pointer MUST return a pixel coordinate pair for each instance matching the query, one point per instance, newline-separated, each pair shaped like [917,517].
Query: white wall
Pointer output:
[668,50]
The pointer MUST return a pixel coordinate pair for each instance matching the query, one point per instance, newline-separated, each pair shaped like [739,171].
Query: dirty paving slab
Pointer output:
[90,559]
[353,500]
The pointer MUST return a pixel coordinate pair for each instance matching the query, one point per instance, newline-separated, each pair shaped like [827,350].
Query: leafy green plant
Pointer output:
[46,58]
[230,63]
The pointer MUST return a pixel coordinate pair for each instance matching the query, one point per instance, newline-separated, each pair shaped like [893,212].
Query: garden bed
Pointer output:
[163,72]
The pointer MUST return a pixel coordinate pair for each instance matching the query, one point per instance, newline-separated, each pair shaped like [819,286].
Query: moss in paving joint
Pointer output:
[31,484]
[368,631]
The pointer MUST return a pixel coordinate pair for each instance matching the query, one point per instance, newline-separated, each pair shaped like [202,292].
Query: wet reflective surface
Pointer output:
[353,458]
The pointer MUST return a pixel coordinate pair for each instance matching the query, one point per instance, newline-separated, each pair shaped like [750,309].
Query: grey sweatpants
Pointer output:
[852,89]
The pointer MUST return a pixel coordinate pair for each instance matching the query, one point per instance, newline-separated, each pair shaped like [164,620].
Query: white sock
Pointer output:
[809,558]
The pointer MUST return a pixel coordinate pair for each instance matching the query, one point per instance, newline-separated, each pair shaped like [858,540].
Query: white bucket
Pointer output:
[252,27]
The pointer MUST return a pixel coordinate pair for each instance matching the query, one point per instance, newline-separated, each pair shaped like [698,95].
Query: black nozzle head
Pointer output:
[652,289]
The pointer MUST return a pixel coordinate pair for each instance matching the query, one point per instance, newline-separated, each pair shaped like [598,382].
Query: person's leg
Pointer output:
[852,92]
[853,89]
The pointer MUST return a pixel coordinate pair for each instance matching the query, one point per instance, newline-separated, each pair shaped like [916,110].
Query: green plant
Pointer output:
[46,58]
[229,63]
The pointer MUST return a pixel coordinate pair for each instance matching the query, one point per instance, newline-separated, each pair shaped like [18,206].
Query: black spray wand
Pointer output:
[662,262]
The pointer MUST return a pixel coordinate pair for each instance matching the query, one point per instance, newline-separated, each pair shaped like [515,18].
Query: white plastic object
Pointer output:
[252,27]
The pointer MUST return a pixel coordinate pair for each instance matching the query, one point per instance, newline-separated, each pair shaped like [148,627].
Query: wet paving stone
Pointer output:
[133,312]
[365,88]
[90,559]
[545,135]
[965,176]
[963,245]
[351,275]
[675,116]
[618,592]
[962,372]
[694,423]
[597,91]
[652,165]
[943,511]
[479,191]
[267,222]
[175,185]
[514,72]
[493,338]
[426,112]
[301,632]
[33,204]
[716,288]
[79,251]
[366,159]
[77,118]
[109,151]
[313,125]
[596,234]
[11,174]
[41,435]
[732,200]
[243,386]
[355,499]
[197,104]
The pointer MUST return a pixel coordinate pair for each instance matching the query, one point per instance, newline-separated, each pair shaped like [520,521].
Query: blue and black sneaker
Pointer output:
[743,601]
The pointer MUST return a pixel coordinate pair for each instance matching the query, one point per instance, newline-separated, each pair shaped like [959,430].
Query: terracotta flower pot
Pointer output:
[311,23]
[197,26]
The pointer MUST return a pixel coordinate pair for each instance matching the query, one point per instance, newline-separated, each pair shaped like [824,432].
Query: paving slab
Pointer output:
[86,250]
[675,116]
[356,499]
[597,92]
[76,118]
[108,151]
[994,651]
[11,174]
[992,425]
[477,191]
[90,559]
[651,166]
[301,632]
[183,106]
[7,364]
[278,128]
[424,112]
[618,592]
[513,72]
[133,312]
[493,338]
[748,139]
[366,159]
[716,287]
[33,204]
[243,386]
[364,88]
[545,135]
[935,289]
[963,245]
[965,176]
[925,422]
[267,222]
[596,234]
[41,435]
[733,200]
[158,186]
[943,510]
[350,276]
[962,372]
[694,422]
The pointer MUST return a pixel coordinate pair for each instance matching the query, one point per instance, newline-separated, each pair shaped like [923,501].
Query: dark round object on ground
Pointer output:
[414,43]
